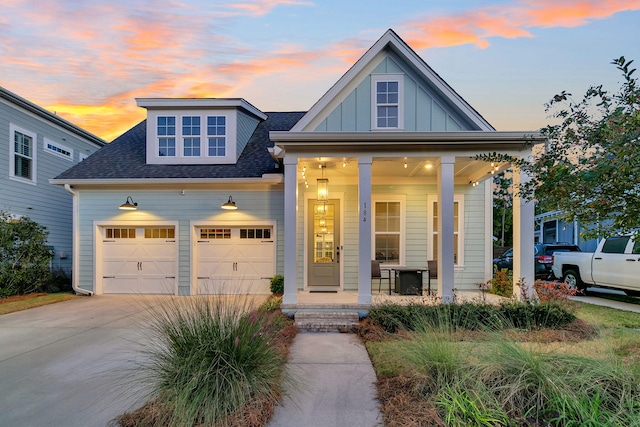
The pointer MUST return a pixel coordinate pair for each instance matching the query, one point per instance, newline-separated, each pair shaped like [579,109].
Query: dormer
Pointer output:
[198,130]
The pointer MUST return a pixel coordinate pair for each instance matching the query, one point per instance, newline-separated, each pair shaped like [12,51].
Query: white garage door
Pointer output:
[235,260]
[139,260]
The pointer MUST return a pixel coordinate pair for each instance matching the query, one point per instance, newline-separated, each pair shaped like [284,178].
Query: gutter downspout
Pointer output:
[75,249]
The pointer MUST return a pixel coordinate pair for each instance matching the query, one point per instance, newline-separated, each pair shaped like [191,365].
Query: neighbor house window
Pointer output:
[191,135]
[58,149]
[23,154]
[387,99]
[167,136]
[217,135]
[458,234]
[388,231]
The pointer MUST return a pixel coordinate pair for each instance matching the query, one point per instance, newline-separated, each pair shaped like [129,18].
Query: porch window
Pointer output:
[458,234]
[388,232]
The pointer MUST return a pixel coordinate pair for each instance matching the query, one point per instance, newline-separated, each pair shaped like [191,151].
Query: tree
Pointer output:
[590,166]
[503,209]
[24,256]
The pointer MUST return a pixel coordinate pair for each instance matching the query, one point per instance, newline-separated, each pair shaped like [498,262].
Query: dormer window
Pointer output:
[387,101]
[194,131]
[191,135]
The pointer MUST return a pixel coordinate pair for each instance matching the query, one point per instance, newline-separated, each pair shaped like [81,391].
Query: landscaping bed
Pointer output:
[436,368]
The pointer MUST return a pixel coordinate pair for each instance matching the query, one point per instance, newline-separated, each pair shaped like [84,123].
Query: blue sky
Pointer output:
[88,60]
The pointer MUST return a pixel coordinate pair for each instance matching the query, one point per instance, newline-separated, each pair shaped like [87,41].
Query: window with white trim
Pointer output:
[58,149]
[388,230]
[458,229]
[191,136]
[166,132]
[22,159]
[217,135]
[387,101]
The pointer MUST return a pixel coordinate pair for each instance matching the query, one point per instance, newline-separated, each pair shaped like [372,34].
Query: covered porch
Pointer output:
[400,198]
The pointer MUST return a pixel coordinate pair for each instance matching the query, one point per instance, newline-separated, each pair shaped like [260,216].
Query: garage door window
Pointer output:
[255,233]
[159,233]
[120,233]
[215,233]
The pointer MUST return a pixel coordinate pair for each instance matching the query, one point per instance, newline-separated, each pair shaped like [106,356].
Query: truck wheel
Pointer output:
[572,279]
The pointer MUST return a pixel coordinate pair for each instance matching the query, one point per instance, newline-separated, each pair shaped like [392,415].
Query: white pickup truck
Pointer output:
[614,264]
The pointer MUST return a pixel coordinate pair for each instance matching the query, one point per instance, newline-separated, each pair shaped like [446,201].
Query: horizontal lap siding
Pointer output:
[169,205]
[47,204]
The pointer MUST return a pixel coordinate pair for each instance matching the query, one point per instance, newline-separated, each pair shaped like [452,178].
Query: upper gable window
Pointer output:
[196,137]
[22,160]
[387,101]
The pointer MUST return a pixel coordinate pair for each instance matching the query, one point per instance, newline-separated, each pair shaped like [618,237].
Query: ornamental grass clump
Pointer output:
[208,357]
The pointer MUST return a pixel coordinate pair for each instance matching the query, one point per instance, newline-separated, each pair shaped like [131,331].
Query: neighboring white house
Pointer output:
[35,146]
[381,167]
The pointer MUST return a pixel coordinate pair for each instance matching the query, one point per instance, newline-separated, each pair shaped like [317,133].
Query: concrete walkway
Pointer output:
[592,298]
[335,384]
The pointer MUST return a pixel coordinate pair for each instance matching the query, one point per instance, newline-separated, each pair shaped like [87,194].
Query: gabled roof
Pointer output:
[390,40]
[124,158]
[47,115]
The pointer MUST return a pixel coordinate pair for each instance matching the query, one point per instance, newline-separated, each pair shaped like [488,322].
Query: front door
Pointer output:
[324,244]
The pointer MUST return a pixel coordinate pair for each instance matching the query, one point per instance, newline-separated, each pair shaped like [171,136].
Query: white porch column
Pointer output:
[365,215]
[445,228]
[290,229]
[523,239]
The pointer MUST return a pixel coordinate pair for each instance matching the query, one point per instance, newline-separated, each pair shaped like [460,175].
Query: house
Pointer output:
[38,145]
[382,167]
[551,228]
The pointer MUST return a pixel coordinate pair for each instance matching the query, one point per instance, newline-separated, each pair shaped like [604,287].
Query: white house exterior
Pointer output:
[390,146]
[35,146]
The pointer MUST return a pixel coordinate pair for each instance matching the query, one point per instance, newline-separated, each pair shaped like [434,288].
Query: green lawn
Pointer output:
[24,302]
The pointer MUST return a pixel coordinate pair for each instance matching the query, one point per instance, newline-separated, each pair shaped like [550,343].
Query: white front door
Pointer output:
[235,260]
[138,260]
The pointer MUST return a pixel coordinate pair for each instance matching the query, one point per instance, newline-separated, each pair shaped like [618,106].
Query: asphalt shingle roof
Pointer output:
[125,157]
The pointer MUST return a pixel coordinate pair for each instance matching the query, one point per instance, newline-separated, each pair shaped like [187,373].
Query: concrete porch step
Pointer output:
[326,321]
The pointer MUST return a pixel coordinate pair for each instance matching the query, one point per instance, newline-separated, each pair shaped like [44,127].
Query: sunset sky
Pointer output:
[88,60]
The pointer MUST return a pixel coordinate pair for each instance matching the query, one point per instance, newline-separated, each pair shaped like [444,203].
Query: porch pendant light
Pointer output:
[129,205]
[323,187]
[230,205]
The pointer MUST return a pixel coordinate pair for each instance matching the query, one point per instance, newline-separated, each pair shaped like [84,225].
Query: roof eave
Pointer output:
[265,179]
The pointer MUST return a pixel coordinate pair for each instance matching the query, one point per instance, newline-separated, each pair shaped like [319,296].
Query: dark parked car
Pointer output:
[543,258]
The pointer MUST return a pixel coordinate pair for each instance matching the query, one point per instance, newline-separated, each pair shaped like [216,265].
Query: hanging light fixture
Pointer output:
[230,205]
[129,205]
[323,187]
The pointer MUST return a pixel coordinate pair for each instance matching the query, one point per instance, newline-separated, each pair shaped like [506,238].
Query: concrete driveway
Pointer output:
[67,364]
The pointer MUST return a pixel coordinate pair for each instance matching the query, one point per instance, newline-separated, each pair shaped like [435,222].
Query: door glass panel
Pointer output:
[323,233]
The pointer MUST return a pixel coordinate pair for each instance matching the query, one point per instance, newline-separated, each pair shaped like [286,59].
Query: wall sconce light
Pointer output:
[230,205]
[129,205]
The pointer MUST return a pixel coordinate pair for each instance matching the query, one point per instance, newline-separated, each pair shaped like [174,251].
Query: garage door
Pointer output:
[139,260]
[236,260]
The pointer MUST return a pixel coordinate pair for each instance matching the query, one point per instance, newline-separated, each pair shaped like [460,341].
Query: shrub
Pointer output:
[524,315]
[24,256]
[209,357]
[277,284]
[502,283]
[554,291]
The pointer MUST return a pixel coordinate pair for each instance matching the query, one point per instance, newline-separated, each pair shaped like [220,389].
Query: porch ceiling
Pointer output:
[346,169]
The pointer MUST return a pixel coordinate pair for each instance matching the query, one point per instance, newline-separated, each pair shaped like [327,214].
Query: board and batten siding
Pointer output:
[416,237]
[47,204]
[424,109]
[195,206]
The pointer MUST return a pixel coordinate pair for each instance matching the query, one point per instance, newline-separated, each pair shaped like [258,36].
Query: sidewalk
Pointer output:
[608,303]
[335,384]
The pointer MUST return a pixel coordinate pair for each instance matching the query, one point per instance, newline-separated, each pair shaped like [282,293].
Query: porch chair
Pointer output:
[375,273]
[432,265]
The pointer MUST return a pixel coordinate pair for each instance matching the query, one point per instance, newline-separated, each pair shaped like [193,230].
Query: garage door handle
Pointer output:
[109,241]
[203,277]
[108,277]
[169,277]
[267,241]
